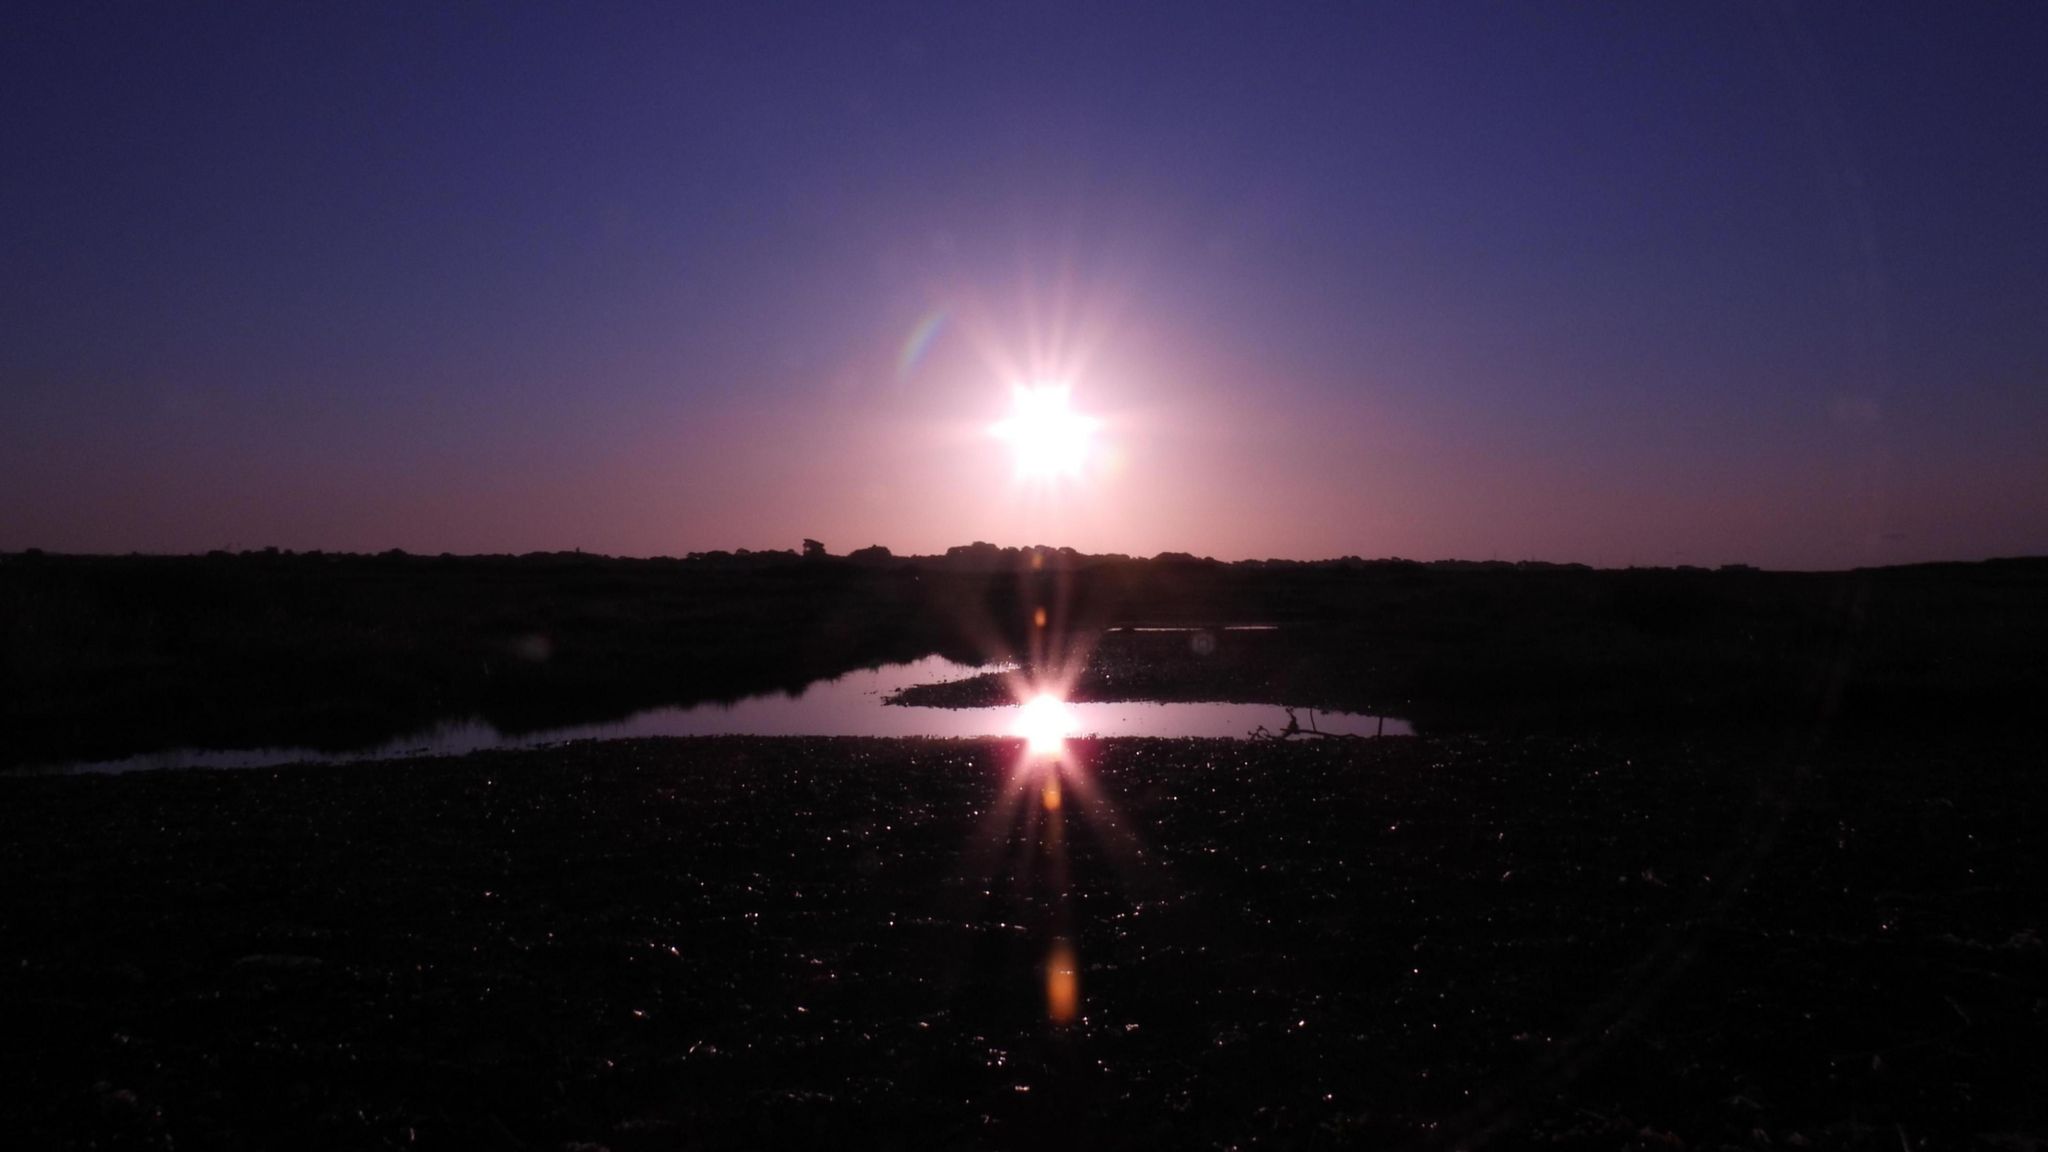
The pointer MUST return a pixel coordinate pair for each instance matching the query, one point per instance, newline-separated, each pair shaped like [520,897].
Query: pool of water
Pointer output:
[1193,628]
[850,705]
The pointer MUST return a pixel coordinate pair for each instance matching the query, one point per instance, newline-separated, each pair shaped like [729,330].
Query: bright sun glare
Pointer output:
[1045,723]
[1050,440]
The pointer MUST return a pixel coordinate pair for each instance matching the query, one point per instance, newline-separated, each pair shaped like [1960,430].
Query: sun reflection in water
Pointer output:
[1045,722]
[1023,854]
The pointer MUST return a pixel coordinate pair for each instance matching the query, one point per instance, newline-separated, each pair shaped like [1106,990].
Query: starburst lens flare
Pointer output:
[1049,439]
[1045,723]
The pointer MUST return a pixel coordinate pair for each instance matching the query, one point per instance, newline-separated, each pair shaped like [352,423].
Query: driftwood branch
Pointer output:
[1294,730]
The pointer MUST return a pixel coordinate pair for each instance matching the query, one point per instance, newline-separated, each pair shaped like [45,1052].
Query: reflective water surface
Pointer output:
[850,705]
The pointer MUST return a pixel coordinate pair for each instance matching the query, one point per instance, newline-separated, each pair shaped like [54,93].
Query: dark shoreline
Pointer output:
[105,657]
[1428,941]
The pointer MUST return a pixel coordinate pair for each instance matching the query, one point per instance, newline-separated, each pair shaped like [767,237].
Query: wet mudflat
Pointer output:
[747,942]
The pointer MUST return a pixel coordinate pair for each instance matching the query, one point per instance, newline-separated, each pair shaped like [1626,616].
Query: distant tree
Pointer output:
[980,556]
[813,550]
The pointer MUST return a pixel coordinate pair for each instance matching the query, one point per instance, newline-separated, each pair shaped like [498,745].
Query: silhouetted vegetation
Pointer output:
[105,656]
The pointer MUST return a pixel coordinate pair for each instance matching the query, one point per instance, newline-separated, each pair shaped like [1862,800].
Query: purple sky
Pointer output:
[1629,284]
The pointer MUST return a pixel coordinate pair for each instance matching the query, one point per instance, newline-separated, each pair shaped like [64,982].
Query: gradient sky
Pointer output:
[1631,283]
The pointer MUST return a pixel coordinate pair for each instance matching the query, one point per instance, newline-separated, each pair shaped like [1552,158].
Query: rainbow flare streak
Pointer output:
[919,342]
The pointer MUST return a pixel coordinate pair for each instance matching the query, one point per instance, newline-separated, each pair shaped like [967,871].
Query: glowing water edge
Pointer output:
[850,705]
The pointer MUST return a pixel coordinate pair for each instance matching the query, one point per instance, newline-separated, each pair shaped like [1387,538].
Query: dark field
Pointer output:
[730,943]
[1682,859]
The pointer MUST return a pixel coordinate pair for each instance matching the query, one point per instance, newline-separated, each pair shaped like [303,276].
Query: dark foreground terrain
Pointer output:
[1683,859]
[742,943]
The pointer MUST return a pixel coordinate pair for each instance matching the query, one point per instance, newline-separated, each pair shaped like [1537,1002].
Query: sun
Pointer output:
[1048,438]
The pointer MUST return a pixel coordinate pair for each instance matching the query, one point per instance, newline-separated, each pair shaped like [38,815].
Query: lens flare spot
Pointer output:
[1045,723]
[1062,983]
[1050,794]
[918,343]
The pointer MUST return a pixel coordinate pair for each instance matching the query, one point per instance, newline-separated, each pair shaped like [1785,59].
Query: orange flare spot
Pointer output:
[1062,984]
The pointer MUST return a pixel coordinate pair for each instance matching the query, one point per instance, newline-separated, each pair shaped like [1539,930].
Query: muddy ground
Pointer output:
[737,943]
